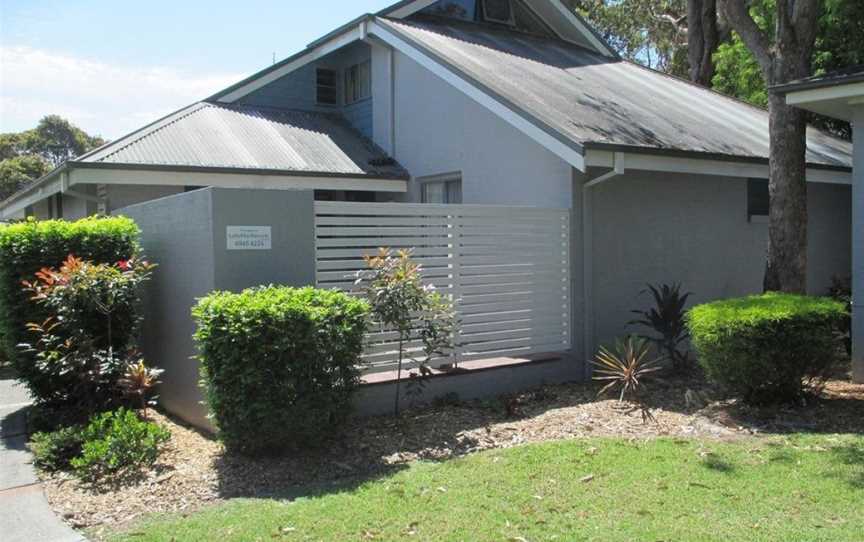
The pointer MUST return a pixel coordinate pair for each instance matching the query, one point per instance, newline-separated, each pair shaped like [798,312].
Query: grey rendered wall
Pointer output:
[297,90]
[653,227]
[440,130]
[176,234]
[185,235]
[291,216]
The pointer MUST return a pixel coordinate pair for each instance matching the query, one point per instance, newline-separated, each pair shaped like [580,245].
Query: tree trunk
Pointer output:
[703,38]
[786,267]
[783,57]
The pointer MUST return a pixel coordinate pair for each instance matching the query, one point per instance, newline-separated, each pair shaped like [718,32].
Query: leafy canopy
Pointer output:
[27,155]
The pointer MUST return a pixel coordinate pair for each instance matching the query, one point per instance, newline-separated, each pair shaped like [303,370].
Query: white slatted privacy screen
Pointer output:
[507,267]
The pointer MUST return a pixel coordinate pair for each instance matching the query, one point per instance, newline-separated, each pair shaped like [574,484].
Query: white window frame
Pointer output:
[450,182]
[354,88]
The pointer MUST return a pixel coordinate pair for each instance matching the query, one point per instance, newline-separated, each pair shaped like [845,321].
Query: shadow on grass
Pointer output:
[852,455]
[372,448]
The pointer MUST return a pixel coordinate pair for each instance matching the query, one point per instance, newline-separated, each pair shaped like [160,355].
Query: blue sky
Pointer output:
[111,67]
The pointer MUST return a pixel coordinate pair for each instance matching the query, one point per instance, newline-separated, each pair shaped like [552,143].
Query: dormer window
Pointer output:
[498,11]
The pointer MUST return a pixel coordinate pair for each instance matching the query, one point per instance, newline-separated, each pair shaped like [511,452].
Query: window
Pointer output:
[498,11]
[445,188]
[327,91]
[358,82]
[758,199]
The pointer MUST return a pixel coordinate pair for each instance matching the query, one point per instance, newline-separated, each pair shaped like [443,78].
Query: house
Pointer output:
[841,95]
[505,102]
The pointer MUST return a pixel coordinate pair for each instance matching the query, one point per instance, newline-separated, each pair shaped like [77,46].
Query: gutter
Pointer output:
[587,250]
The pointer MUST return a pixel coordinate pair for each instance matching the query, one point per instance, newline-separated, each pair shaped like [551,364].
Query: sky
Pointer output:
[112,67]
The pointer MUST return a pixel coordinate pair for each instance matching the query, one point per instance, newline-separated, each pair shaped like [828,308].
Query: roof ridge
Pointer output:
[153,129]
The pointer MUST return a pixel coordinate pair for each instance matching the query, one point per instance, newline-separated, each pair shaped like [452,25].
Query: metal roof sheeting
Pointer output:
[589,99]
[230,136]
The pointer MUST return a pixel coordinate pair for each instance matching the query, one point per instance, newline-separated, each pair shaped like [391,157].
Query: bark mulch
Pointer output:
[195,470]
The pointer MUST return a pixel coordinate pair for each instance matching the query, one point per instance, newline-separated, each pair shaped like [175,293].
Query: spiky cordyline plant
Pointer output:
[626,366]
[667,319]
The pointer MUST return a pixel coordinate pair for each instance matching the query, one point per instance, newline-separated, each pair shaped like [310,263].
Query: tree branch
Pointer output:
[737,13]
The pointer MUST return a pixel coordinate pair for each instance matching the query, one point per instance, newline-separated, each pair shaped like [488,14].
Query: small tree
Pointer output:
[399,300]
[92,318]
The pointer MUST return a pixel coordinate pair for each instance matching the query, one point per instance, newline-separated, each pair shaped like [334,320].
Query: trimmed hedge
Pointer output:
[27,247]
[279,364]
[765,348]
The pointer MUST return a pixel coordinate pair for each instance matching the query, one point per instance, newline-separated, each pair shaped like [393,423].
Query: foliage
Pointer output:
[650,32]
[92,316]
[16,171]
[279,364]
[767,348]
[26,248]
[138,382]
[839,43]
[27,155]
[400,301]
[118,442]
[53,450]
[667,319]
[730,490]
[626,367]
[841,290]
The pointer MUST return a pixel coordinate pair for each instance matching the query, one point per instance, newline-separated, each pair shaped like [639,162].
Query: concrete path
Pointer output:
[25,515]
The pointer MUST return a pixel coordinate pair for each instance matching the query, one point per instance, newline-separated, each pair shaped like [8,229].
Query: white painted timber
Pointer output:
[507,269]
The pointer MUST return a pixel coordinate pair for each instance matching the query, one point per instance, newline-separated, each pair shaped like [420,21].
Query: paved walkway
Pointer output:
[25,515]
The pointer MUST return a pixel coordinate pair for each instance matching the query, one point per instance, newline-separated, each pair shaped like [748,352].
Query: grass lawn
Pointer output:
[798,488]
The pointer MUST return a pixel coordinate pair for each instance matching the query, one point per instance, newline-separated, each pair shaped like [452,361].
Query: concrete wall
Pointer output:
[185,235]
[439,130]
[653,227]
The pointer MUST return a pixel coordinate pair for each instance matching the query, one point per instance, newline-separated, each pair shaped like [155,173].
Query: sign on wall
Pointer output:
[248,237]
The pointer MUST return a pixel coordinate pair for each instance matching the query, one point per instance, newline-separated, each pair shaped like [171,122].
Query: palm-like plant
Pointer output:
[667,319]
[625,366]
[139,381]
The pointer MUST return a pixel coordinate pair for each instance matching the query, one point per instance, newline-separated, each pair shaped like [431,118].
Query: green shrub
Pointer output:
[279,364]
[55,449]
[26,248]
[767,348]
[118,442]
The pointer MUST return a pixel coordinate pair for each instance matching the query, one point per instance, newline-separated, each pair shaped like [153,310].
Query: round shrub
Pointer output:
[767,348]
[279,364]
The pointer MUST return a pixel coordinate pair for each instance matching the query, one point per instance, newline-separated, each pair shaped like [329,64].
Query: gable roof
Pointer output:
[208,135]
[595,102]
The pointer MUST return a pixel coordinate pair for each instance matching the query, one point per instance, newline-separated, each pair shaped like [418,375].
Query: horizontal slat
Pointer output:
[392,242]
[382,231]
[329,253]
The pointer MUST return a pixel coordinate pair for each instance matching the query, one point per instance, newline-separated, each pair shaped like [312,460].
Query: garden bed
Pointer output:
[195,471]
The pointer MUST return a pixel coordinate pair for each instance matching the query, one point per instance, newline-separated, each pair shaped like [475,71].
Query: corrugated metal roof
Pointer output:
[845,76]
[232,136]
[592,100]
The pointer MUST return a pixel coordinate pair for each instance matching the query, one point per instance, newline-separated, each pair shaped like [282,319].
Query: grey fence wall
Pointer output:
[185,235]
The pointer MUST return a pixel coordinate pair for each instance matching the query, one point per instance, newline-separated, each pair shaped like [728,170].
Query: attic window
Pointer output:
[498,11]
[327,92]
